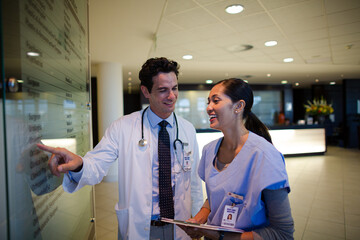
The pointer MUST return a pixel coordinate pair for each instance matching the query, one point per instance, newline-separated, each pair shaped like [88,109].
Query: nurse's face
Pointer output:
[220,109]
[163,94]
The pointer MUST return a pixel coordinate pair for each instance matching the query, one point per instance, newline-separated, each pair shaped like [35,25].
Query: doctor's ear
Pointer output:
[145,91]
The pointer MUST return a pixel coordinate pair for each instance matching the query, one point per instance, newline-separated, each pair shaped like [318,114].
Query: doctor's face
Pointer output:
[163,94]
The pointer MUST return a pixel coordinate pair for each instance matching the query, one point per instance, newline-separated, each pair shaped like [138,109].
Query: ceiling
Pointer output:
[322,36]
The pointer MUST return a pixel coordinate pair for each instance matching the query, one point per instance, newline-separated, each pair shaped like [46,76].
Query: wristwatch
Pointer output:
[221,237]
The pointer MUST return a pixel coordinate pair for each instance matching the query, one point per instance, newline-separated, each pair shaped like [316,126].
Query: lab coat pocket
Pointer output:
[123,222]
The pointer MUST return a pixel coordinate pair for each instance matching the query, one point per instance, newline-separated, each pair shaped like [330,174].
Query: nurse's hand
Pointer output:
[62,160]
[201,217]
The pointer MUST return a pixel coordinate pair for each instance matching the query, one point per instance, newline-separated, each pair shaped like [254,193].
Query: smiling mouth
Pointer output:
[212,117]
[169,103]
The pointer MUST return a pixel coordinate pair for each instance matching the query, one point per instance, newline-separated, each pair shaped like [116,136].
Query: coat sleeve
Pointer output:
[196,183]
[97,162]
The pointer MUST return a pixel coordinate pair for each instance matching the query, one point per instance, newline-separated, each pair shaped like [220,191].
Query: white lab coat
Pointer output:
[135,175]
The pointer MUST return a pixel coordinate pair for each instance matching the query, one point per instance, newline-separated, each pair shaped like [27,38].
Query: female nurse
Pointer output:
[245,175]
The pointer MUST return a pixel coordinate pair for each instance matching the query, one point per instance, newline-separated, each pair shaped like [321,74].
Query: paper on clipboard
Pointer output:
[204,226]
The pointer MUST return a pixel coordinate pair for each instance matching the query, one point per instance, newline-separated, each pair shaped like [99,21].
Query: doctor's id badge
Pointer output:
[187,159]
[187,163]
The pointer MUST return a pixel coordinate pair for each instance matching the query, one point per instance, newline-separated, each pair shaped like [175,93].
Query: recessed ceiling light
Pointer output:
[270,43]
[297,84]
[209,81]
[268,75]
[284,81]
[317,80]
[288,60]
[332,83]
[20,81]
[187,57]
[33,54]
[234,9]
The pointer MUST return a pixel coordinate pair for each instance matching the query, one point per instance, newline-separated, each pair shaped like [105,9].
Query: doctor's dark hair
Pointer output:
[153,67]
[237,89]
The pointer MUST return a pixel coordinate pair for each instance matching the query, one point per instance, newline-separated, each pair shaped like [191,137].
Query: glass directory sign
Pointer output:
[46,71]
[3,211]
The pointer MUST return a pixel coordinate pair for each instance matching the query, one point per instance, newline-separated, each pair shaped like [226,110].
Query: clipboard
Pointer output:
[203,226]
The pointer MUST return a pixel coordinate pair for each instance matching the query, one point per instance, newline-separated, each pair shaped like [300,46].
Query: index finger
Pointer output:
[48,148]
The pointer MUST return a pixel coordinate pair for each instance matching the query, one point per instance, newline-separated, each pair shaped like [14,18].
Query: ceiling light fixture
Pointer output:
[245,80]
[234,9]
[268,75]
[297,84]
[317,80]
[270,43]
[187,57]
[209,81]
[284,81]
[288,60]
[332,83]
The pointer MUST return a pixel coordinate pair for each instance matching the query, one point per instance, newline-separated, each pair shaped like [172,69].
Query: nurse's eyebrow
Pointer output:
[214,96]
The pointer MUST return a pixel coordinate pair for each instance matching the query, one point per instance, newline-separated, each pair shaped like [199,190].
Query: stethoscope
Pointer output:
[143,142]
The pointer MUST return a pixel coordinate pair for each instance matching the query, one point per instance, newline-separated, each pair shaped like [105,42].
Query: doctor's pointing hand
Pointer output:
[62,160]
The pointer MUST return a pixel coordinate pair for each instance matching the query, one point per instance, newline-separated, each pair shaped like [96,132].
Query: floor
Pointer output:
[324,198]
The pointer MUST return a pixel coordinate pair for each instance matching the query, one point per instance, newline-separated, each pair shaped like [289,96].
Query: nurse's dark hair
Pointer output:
[238,89]
[153,67]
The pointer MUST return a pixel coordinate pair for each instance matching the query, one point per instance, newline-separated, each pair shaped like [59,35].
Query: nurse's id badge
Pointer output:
[229,216]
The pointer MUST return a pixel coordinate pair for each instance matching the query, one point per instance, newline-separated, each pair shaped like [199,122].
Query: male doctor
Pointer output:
[133,140]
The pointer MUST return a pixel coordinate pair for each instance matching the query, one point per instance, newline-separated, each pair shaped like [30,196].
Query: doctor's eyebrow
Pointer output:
[166,88]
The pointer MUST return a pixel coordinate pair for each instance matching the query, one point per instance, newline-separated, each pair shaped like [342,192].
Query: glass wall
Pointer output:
[267,104]
[45,58]
[3,211]
[191,105]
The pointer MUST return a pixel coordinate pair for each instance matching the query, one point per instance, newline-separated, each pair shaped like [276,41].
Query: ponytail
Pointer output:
[254,124]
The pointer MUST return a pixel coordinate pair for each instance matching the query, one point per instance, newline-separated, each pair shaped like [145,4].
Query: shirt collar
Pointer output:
[155,119]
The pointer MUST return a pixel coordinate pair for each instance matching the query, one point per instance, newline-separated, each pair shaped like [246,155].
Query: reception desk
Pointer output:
[289,140]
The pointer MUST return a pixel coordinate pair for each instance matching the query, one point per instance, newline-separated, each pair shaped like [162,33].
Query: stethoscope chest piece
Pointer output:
[142,142]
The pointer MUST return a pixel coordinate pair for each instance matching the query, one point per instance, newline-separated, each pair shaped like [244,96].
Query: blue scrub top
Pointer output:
[258,166]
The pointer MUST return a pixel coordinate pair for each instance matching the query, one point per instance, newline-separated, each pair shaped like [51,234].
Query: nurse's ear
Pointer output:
[240,106]
[145,91]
